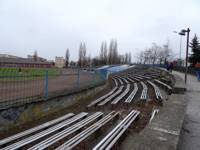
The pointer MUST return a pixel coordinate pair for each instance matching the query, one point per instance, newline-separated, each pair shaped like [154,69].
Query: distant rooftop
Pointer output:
[8,56]
[15,59]
[118,68]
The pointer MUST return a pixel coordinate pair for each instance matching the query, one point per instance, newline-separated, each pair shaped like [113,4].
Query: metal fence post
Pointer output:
[78,78]
[46,85]
[94,77]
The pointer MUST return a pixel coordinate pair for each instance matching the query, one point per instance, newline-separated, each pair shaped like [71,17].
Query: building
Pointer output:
[59,62]
[8,56]
[15,61]
[31,57]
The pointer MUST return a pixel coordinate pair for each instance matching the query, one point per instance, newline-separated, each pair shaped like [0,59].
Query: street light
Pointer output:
[181,34]
[183,31]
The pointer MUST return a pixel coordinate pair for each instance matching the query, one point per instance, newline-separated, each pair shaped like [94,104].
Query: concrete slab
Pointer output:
[190,134]
[164,130]
[179,87]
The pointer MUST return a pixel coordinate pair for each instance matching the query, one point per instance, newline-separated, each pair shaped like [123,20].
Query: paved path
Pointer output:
[190,136]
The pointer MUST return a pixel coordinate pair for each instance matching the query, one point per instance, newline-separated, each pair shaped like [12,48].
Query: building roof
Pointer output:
[21,60]
[118,68]
[8,56]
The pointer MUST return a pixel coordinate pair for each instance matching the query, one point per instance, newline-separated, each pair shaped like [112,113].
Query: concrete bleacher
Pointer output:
[113,136]
[71,143]
[129,88]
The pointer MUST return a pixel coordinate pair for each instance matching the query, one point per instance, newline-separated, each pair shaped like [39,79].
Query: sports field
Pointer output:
[17,85]
[17,74]
[28,71]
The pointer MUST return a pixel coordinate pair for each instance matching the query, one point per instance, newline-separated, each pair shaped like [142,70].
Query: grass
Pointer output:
[13,74]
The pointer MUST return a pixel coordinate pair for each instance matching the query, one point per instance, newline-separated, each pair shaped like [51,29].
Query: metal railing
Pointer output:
[21,88]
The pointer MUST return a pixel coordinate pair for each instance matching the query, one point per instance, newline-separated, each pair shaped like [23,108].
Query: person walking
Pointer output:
[171,66]
[167,65]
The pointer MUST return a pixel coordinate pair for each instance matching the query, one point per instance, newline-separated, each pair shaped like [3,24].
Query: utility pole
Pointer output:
[187,47]
[180,47]
[182,33]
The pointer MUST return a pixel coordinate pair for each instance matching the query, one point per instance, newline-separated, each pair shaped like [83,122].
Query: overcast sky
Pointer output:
[52,26]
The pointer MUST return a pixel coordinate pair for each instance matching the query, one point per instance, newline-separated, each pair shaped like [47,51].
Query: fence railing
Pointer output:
[191,70]
[18,89]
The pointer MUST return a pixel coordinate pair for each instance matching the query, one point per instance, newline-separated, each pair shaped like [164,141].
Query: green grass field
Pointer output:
[9,74]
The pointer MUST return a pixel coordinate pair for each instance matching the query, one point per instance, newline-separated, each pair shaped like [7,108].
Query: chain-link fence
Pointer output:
[20,87]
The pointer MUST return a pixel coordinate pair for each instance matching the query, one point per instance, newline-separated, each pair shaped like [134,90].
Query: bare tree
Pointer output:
[110,53]
[115,52]
[89,61]
[155,54]
[67,55]
[84,55]
[95,61]
[80,59]
[121,59]
[140,57]
[105,53]
[35,56]
[126,58]
[129,57]
[113,57]
[101,54]
[167,52]
[72,63]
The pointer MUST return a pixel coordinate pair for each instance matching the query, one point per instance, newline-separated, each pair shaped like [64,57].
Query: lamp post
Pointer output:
[180,47]
[183,31]
[181,34]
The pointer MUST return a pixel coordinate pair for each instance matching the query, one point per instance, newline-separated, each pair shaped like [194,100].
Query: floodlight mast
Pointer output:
[180,48]
[182,33]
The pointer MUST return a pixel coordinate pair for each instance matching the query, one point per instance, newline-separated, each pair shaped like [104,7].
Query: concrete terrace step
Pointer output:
[179,86]
[164,130]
